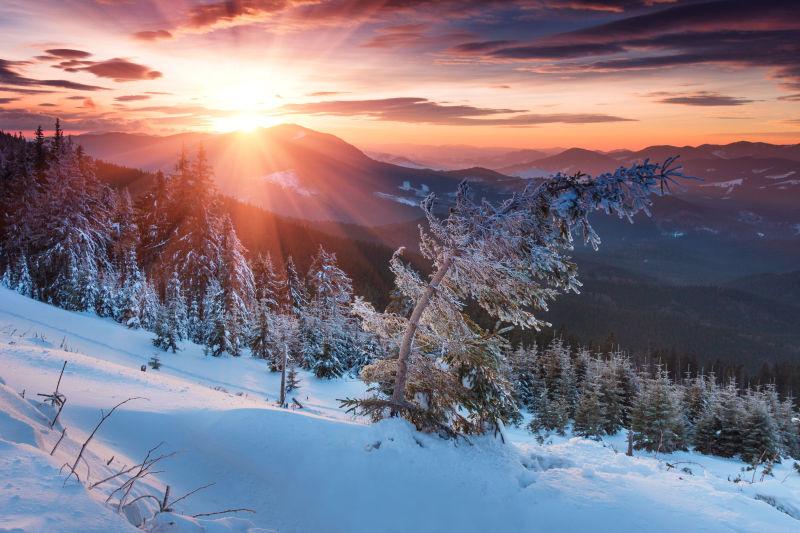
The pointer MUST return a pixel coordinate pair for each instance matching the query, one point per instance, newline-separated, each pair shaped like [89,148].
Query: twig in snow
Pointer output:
[190,493]
[103,418]
[242,510]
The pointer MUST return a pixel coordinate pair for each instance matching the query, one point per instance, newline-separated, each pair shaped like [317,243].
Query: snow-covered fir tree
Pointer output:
[761,440]
[523,373]
[554,401]
[171,326]
[329,332]
[657,417]
[719,430]
[509,257]
[590,416]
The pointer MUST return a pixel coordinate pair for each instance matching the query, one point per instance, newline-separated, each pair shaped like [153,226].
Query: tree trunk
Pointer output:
[283,374]
[399,393]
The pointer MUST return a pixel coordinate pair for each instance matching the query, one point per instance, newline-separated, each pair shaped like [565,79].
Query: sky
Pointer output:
[513,73]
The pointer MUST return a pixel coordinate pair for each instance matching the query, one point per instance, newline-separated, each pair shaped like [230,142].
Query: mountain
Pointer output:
[297,172]
[746,191]
[569,161]
[784,287]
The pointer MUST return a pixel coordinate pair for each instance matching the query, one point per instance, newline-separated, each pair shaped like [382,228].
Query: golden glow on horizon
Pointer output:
[250,103]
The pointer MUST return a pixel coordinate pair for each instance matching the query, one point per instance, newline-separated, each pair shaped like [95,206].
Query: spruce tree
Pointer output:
[590,419]
[657,417]
[760,437]
[171,327]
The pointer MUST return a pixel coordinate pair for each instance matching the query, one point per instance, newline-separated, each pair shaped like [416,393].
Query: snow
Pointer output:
[399,199]
[730,184]
[318,469]
[288,180]
[781,176]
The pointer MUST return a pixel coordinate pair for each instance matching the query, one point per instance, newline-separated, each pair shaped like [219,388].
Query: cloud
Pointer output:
[152,35]
[67,53]
[609,6]
[422,110]
[737,33]
[118,69]
[8,100]
[9,76]
[327,93]
[699,98]
[132,97]
[22,119]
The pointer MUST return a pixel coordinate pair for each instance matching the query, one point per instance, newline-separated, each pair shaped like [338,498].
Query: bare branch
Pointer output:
[190,493]
[103,418]
[242,510]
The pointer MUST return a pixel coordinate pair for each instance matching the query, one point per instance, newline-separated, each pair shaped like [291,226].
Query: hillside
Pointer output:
[219,414]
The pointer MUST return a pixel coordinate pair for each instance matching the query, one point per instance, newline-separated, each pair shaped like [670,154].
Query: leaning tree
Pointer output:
[510,257]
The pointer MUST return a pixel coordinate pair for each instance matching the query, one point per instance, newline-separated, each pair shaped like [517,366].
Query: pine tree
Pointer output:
[23,283]
[695,396]
[171,326]
[261,343]
[329,333]
[68,231]
[195,247]
[292,379]
[590,419]
[149,307]
[215,336]
[237,286]
[269,286]
[507,256]
[760,438]
[153,220]
[719,429]
[523,374]
[657,418]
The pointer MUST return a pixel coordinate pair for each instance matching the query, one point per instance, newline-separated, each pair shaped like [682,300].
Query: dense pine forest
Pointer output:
[170,260]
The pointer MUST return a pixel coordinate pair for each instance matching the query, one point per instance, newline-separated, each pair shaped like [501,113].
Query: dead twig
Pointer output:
[56,398]
[103,418]
[189,494]
[242,510]
[63,432]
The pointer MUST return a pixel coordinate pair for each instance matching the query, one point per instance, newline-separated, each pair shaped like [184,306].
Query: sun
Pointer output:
[241,122]
[245,107]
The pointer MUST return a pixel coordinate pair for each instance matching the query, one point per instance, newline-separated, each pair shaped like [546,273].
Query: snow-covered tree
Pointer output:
[329,332]
[509,257]
[171,327]
[262,343]
[719,430]
[760,438]
[238,291]
[590,416]
[149,307]
[270,287]
[523,373]
[284,328]
[554,400]
[657,418]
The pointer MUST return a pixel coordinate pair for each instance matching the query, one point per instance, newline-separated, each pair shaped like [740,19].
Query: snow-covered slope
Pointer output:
[317,469]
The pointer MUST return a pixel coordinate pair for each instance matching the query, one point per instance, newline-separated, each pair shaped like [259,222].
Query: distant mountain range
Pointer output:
[747,190]
[297,172]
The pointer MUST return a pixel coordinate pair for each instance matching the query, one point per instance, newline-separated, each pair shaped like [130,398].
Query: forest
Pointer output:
[171,261]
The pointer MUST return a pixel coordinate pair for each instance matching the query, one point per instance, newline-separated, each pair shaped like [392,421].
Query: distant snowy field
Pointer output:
[318,469]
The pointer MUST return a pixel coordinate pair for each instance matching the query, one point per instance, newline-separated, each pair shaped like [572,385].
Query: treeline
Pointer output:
[171,263]
[601,394]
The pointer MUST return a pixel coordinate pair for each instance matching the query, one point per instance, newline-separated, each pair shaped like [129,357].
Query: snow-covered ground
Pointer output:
[317,469]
